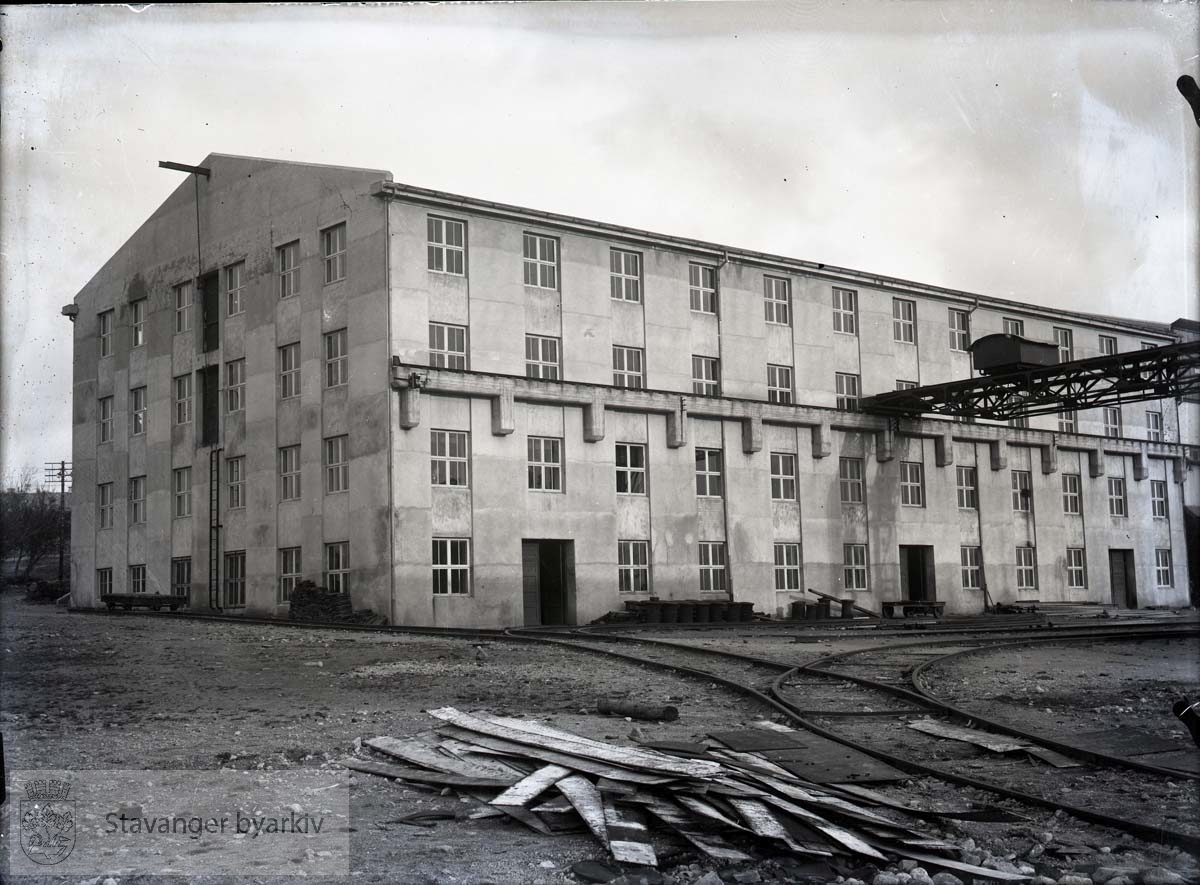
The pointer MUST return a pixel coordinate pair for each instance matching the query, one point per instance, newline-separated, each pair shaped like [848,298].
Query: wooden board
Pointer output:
[585,799]
[762,822]
[628,839]
[712,844]
[421,776]
[428,756]
[531,786]
[997,743]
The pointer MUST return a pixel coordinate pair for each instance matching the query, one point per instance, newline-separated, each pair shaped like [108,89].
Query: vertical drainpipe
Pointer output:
[724,457]
[392,400]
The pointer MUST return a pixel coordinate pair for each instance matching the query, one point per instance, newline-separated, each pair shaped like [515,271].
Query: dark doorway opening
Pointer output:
[548,582]
[1122,578]
[210,401]
[210,310]
[916,573]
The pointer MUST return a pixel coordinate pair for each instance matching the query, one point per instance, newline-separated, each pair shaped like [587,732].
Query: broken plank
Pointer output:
[762,822]
[994,742]
[585,799]
[628,840]
[1053,757]
[833,832]
[421,776]
[834,803]
[707,809]
[429,757]
[531,786]
[712,844]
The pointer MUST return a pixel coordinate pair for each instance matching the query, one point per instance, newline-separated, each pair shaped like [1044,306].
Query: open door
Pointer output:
[548,582]
[916,573]
[1122,578]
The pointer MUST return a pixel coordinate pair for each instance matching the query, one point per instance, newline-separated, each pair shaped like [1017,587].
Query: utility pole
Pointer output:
[61,471]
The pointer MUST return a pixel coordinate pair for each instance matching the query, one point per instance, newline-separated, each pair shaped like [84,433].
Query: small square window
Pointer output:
[783,476]
[968,488]
[337,567]
[904,321]
[854,566]
[235,474]
[1164,574]
[289,572]
[182,483]
[1076,568]
[137,579]
[449,458]
[960,330]
[787,567]
[235,385]
[630,461]
[137,500]
[137,324]
[845,311]
[104,502]
[1070,493]
[779,384]
[1014,327]
[971,563]
[1154,426]
[336,359]
[1117,505]
[1022,491]
[235,276]
[183,399]
[912,484]
[1067,422]
[633,566]
[289,371]
[847,391]
[137,411]
[1158,498]
[712,567]
[104,334]
[1065,340]
[1026,569]
[289,473]
[183,307]
[451,567]
[103,582]
[337,464]
[708,473]
[106,419]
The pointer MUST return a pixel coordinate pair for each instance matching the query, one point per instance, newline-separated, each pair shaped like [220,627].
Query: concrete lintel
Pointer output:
[502,413]
[943,450]
[822,442]
[593,419]
[1095,462]
[998,451]
[677,425]
[1140,469]
[884,448]
[1050,458]
[752,435]
[410,407]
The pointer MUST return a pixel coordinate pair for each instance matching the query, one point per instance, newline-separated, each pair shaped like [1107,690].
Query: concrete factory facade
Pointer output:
[466,413]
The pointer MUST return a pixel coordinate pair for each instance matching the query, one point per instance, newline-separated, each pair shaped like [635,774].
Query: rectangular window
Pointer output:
[333,252]
[906,385]
[183,399]
[847,391]
[234,283]
[850,480]
[702,288]
[960,330]
[1014,327]
[1158,498]
[1022,491]
[137,579]
[337,366]
[1071,485]
[630,460]
[541,261]
[545,464]
[783,476]
[1066,344]
[1154,426]
[1164,575]
[447,245]
[706,376]
[968,488]
[854,566]
[137,322]
[712,567]
[1108,345]
[137,500]
[181,576]
[779,384]
[628,367]
[845,311]
[447,346]
[708,473]
[235,472]
[1020,423]
[448,458]
[287,266]
[633,566]
[182,485]
[541,357]
[777,300]
[103,582]
[451,567]
[1076,568]
[912,484]
[625,275]
[137,411]
[787,567]
[183,307]
[289,371]
[235,579]
[104,500]
[337,567]
[289,572]
[1116,496]
[104,333]
[106,419]
[971,563]
[289,473]
[235,385]
[1149,345]
[337,464]
[904,321]
[1026,569]
[1067,422]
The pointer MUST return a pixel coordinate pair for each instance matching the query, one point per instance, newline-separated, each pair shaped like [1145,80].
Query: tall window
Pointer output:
[850,480]
[960,329]
[545,464]
[289,572]
[712,567]
[137,411]
[1112,421]
[1067,422]
[708,473]
[137,322]
[787,567]
[783,476]
[1026,569]
[702,288]
[1108,345]
[104,501]
[103,582]
[777,300]
[847,391]
[633,566]
[904,321]
[137,578]
[447,245]
[779,384]
[337,567]
[235,385]
[1066,344]
[183,307]
[706,376]
[289,473]
[235,579]
[183,399]
[854,566]
[1116,496]
[968,488]
[625,275]
[971,567]
[234,283]
[336,361]
[447,346]
[337,464]
[628,367]
[235,475]
[1154,426]
[104,333]
[1164,575]
[1158,498]
[183,491]
[631,468]
[541,357]
[845,311]
[912,484]
[1014,327]
[1022,491]
[451,567]
[448,458]
[541,261]
[181,576]
[106,419]
[287,267]
[1076,568]
[137,500]
[1070,493]
[333,252]
[289,371]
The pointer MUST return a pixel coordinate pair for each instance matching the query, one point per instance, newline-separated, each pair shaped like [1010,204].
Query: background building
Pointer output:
[471,413]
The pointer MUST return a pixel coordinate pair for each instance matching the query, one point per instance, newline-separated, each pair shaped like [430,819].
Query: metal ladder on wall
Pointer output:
[214,529]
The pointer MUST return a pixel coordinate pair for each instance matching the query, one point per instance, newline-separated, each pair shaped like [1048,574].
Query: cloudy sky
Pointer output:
[1037,151]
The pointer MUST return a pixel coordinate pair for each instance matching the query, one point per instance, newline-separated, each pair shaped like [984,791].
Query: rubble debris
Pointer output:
[645,712]
[308,602]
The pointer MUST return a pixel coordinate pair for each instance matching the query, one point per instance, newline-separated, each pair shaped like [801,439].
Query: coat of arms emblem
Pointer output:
[47,821]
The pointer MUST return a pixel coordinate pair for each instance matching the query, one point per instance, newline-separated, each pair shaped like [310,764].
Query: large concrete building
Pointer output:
[471,413]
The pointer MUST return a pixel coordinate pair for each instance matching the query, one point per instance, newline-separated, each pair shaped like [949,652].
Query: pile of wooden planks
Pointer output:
[729,804]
